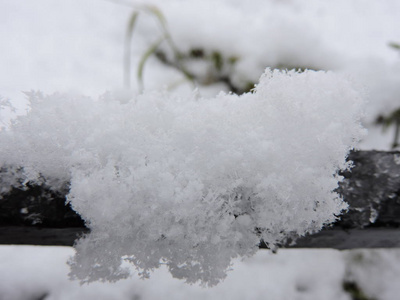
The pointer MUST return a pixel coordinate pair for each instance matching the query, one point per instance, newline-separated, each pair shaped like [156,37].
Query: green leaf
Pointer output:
[131,23]
[127,48]
[395,46]
[217,59]
[144,58]
[155,11]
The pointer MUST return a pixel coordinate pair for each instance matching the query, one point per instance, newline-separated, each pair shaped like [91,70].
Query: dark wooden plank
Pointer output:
[337,238]
[29,235]
[38,215]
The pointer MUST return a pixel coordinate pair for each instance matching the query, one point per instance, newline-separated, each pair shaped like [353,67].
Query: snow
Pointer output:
[75,47]
[27,272]
[78,45]
[184,181]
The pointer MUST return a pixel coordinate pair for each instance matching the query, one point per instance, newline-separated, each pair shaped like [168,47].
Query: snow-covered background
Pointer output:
[77,46]
[31,272]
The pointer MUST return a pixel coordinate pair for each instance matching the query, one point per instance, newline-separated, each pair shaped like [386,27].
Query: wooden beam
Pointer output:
[39,216]
[335,238]
[45,236]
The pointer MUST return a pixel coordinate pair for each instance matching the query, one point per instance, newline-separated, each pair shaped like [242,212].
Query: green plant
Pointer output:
[220,68]
[165,36]
[220,65]
[394,45]
[356,293]
[393,119]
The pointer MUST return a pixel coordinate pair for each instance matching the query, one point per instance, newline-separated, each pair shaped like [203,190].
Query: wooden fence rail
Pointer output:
[40,216]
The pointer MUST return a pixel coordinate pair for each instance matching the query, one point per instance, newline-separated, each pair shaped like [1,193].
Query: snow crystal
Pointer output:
[192,183]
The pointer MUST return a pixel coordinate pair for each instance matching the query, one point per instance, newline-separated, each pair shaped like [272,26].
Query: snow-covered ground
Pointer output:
[77,46]
[31,272]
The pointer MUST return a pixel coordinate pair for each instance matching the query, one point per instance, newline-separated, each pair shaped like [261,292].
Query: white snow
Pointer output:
[185,181]
[77,46]
[28,272]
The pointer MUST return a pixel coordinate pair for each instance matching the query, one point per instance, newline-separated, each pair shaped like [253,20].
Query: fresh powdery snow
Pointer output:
[191,182]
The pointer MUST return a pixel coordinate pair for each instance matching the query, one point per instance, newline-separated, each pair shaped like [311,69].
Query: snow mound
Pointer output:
[192,183]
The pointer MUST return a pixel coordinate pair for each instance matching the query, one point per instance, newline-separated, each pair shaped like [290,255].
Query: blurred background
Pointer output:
[88,46]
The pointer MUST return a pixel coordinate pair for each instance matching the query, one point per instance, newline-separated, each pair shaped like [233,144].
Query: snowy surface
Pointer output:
[30,272]
[77,46]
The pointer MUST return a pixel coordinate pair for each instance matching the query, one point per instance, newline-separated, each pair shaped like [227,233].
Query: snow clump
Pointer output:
[192,183]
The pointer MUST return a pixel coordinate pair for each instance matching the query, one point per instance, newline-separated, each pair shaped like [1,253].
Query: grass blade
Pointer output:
[143,60]
[127,48]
